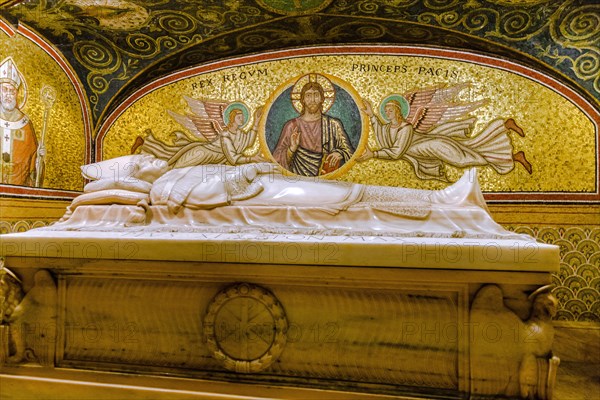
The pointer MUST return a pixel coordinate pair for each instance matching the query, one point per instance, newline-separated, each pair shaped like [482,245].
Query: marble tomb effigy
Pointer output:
[244,274]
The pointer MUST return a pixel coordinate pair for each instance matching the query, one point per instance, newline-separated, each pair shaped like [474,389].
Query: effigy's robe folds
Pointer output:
[226,289]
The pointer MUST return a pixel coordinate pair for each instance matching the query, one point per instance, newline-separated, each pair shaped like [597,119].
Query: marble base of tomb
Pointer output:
[279,316]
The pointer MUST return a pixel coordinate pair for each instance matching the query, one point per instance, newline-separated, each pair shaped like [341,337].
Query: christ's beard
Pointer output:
[313,108]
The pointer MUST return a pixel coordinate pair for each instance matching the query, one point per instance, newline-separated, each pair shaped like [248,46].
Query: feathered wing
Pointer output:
[435,106]
[205,121]
[210,109]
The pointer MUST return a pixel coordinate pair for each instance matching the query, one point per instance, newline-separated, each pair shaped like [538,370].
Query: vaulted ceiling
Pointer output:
[115,46]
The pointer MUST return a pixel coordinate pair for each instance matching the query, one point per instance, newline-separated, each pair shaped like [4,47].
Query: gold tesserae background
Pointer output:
[65,138]
[555,128]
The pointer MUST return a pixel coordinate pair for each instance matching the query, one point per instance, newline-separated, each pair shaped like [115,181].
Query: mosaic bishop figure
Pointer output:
[18,144]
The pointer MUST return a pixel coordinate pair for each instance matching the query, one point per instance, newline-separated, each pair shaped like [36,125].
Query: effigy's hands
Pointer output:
[267,168]
[250,171]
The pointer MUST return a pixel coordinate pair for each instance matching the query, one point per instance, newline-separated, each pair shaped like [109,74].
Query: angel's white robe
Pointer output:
[446,144]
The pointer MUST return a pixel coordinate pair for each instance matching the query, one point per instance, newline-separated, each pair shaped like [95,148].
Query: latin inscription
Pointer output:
[231,77]
[241,76]
[440,72]
[361,67]
[388,68]
[202,84]
[403,69]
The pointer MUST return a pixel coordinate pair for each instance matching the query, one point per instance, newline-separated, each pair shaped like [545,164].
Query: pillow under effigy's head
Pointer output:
[137,166]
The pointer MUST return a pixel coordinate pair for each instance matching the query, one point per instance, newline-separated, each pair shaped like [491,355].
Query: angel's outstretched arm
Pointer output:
[254,130]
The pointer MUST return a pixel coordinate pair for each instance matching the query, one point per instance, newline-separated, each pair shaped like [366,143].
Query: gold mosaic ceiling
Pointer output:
[116,46]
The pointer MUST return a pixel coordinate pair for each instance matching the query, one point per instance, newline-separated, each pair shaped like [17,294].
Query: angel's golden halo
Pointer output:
[328,91]
[395,99]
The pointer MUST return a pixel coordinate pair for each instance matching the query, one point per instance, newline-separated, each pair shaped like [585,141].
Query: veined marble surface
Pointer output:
[426,252]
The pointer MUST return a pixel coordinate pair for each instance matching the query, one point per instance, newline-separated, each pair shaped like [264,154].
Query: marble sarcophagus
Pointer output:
[350,296]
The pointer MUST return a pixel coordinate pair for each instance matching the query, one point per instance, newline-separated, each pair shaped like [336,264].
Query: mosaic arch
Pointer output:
[118,47]
[510,118]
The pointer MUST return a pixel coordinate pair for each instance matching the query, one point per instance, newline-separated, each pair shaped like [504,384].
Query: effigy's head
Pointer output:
[135,166]
[150,168]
